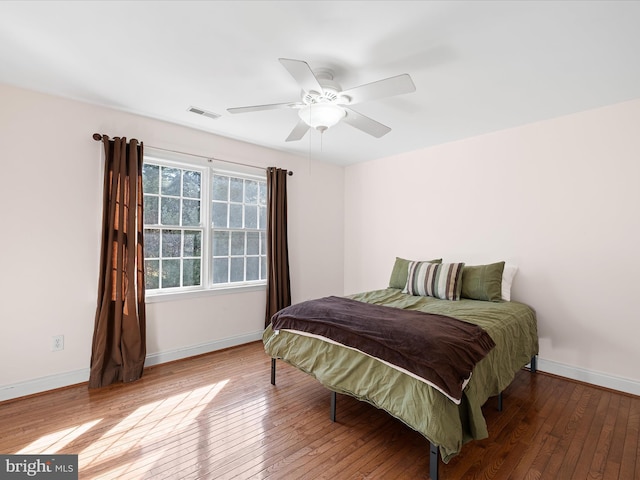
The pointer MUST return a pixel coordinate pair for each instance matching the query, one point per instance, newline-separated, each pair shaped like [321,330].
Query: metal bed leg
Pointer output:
[273,371]
[433,461]
[500,402]
[534,364]
[333,406]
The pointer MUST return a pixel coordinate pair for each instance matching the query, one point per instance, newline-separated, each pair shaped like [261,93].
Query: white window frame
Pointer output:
[208,169]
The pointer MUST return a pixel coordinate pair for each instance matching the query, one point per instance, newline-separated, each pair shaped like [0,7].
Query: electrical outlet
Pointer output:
[57,343]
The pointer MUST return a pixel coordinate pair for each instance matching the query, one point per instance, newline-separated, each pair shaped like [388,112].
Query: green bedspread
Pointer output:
[511,325]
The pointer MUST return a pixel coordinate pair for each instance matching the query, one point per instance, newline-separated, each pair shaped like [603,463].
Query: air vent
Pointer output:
[199,111]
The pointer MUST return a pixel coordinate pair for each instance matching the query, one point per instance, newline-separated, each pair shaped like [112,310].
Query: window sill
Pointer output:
[185,295]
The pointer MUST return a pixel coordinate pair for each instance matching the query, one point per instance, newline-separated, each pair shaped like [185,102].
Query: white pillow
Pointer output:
[507,279]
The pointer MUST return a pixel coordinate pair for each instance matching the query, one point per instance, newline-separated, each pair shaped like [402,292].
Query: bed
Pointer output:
[446,423]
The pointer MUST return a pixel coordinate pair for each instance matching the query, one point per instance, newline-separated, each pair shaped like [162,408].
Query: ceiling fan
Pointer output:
[323,102]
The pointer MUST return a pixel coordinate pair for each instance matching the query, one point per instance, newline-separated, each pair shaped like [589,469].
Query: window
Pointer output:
[239,217]
[204,228]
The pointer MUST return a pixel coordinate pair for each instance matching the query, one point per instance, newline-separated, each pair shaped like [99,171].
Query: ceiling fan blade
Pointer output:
[382,88]
[301,72]
[256,108]
[366,124]
[298,132]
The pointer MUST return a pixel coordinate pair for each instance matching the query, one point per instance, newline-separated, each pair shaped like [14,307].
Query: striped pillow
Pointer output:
[440,280]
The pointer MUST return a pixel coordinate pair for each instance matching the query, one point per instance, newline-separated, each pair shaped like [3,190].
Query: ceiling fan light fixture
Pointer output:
[323,103]
[322,116]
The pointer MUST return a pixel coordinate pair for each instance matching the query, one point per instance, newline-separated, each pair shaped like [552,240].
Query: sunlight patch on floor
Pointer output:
[140,435]
[54,442]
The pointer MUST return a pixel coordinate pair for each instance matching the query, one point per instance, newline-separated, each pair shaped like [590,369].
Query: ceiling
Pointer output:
[478,66]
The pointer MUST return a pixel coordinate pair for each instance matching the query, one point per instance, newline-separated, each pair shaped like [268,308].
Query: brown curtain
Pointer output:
[119,346]
[278,283]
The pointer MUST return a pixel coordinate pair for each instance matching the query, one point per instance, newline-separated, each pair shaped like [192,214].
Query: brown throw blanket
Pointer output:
[440,349]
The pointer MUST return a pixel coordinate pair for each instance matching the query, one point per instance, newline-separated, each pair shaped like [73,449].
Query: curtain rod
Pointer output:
[98,137]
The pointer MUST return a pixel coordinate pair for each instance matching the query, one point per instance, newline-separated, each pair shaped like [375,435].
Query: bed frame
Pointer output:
[433,449]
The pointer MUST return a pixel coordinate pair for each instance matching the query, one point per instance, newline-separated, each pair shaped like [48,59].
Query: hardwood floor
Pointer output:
[217,417]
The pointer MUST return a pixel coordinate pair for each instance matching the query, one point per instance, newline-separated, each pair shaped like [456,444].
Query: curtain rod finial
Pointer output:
[97,137]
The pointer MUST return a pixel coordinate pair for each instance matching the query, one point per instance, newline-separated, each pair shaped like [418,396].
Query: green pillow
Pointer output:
[483,282]
[401,271]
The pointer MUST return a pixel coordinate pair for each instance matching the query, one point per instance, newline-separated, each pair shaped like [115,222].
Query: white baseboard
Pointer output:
[51,382]
[42,384]
[588,376]
[170,356]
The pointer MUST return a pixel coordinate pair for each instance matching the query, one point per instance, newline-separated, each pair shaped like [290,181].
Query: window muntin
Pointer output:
[204,229]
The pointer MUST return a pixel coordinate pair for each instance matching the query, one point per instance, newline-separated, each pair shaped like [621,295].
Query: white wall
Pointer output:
[560,198]
[50,215]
